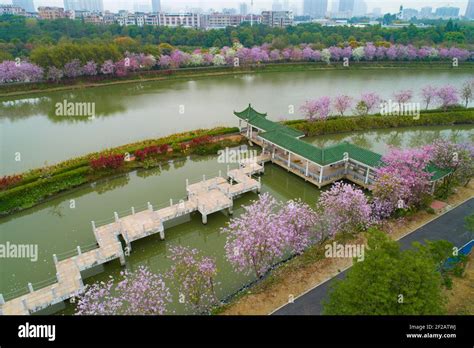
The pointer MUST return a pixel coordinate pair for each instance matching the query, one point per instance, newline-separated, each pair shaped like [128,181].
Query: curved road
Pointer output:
[450,227]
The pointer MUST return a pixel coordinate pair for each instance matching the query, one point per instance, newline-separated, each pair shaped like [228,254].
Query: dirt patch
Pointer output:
[461,296]
[303,273]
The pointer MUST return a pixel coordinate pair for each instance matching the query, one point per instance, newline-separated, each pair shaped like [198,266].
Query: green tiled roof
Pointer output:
[259,120]
[287,138]
[437,172]
[325,156]
[249,113]
[294,145]
[362,155]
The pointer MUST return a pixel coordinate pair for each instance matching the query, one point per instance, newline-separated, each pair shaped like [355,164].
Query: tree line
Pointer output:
[19,35]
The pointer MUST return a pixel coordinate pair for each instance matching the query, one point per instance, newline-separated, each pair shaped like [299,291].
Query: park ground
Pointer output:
[461,296]
[311,269]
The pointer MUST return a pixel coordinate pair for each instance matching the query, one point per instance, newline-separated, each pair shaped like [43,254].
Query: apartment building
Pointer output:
[50,12]
[279,19]
[12,10]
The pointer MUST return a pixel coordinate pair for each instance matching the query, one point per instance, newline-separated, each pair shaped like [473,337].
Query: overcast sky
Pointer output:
[176,5]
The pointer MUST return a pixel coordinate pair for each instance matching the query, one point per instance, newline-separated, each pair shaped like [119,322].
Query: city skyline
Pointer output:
[391,6]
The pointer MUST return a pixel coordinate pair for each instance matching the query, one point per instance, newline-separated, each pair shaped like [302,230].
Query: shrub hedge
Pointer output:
[342,124]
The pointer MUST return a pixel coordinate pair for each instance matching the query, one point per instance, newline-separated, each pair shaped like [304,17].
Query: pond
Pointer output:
[131,112]
[56,227]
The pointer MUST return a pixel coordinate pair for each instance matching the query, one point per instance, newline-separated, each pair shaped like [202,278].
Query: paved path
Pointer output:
[450,227]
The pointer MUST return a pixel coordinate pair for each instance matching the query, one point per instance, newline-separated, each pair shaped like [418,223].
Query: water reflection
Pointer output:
[380,140]
[132,112]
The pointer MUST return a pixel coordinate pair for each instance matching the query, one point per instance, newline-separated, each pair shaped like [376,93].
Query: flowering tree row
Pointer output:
[237,55]
[444,97]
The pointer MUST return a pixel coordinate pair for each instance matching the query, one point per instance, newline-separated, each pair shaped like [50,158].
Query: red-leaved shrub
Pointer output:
[8,181]
[151,150]
[107,162]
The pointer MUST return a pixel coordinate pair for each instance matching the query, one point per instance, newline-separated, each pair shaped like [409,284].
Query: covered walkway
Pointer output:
[316,165]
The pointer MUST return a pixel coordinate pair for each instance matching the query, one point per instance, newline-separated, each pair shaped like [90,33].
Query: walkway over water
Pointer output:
[206,197]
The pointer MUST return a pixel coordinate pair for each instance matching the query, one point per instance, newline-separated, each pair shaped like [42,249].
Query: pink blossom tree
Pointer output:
[12,71]
[121,69]
[343,209]
[108,68]
[266,231]
[275,55]
[73,68]
[456,158]
[137,293]
[342,103]
[411,180]
[448,96]
[369,51]
[428,94]
[297,221]
[253,240]
[367,103]
[404,96]
[164,61]
[387,191]
[90,69]
[54,74]
[194,277]
[179,59]
[307,53]
[317,109]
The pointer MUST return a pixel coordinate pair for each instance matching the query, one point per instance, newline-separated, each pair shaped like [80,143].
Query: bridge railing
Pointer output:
[24,290]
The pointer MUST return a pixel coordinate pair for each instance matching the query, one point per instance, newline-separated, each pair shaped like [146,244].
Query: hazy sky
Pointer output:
[176,5]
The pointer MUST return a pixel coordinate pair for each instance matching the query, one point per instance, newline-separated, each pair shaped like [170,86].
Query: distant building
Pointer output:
[315,8]
[426,12]
[229,11]
[93,18]
[279,19]
[221,20]
[12,10]
[244,9]
[50,12]
[186,20]
[409,13]
[447,12]
[470,10]
[252,18]
[152,19]
[109,17]
[27,5]
[156,6]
